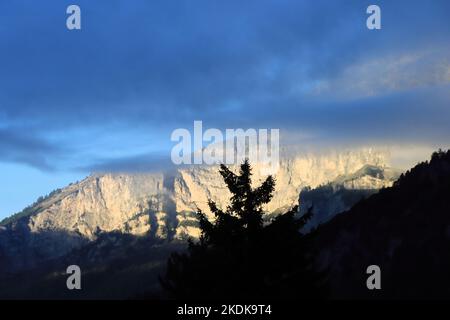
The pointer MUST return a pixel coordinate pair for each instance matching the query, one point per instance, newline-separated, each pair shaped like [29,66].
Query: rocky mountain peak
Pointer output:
[163,206]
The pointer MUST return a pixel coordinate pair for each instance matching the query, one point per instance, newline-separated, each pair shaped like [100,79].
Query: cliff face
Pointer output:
[157,204]
[102,202]
[194,186]
[344,192]
[76,214]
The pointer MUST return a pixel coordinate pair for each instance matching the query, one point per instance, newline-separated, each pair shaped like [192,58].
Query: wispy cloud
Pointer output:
[388,74]
[27,149]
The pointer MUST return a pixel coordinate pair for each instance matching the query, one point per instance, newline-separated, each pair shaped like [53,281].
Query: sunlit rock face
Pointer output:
[102,203]
[163,206]
[78,213]
[344,192]
[194,186]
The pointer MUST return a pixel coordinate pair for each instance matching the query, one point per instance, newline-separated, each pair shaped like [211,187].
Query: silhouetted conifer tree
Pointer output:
[241,256]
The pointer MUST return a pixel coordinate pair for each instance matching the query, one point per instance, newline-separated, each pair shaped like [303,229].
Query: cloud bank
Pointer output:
[113,92]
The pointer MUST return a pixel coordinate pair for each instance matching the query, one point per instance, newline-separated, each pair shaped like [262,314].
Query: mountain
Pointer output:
[115,265]
[159,205]
[73,216]
[123,226]
[404,229]
[194,186]
[345,191]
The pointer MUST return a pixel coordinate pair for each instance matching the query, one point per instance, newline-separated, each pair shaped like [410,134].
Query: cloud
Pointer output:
[27,149]
[148,162]
[145,68]
[388,74]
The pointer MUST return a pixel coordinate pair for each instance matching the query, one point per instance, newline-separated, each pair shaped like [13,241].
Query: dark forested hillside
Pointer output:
[405,230]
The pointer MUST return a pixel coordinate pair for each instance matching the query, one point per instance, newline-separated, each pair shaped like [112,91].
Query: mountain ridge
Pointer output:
[403,229]
[154,204]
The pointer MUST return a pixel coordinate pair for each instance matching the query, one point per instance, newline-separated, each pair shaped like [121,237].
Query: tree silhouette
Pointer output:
[239,255]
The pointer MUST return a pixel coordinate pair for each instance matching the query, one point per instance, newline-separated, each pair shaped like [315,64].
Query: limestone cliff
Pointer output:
[161,205]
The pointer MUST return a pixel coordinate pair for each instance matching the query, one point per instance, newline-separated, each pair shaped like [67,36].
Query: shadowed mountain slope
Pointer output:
[405,230]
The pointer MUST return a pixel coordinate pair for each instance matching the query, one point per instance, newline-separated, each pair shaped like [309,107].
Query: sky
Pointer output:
[108,96]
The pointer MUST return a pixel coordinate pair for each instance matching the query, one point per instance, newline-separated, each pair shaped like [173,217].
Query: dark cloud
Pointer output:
[150,162]
[159,65]
[27,149]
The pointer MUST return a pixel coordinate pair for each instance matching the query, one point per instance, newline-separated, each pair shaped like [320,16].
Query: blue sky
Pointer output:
[108,96]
